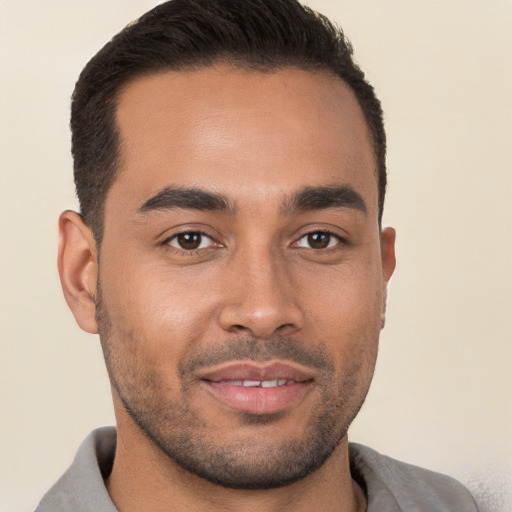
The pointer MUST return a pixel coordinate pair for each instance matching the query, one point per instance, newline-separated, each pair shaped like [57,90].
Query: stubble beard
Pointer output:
[179,431]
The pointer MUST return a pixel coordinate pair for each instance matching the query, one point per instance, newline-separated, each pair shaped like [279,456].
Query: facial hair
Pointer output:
[167,417]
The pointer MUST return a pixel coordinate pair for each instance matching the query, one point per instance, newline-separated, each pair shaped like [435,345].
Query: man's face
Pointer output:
[242,274]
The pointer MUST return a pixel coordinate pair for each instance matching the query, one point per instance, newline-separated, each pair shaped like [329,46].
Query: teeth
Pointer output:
[259,383]
[251,383]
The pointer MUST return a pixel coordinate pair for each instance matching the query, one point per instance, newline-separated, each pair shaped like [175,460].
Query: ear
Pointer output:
[387,254]
[78,269]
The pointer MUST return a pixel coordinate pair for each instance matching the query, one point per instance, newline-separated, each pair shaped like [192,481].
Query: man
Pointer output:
[230,166]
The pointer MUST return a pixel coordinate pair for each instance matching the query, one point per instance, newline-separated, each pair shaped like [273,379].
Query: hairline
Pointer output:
[242,64]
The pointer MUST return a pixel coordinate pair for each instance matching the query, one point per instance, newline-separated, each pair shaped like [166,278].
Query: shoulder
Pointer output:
[396,486]
[81,488]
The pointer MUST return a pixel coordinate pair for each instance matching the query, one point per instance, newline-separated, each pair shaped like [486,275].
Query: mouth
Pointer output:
[259,383]
[259,388]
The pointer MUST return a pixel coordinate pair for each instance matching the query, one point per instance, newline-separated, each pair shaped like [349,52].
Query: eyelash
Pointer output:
[202,234]
[339,240]
[192,251]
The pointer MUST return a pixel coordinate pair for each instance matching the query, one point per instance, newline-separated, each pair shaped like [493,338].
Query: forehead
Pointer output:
[246,134]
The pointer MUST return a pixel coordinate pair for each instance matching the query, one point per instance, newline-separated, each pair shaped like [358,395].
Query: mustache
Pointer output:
[277,347]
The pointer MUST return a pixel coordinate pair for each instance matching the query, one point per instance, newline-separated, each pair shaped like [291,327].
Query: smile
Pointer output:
[260,383]
[258,388]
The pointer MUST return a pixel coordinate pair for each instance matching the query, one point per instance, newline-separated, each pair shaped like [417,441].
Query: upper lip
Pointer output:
[252,370]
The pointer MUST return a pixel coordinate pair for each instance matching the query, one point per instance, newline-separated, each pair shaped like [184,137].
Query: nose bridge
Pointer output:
[259,295]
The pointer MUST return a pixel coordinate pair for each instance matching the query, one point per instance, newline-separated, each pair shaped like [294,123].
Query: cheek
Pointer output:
[348,297]
[343,309]
[166,310]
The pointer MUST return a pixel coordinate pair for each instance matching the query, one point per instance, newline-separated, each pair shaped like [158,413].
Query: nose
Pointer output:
[260,297]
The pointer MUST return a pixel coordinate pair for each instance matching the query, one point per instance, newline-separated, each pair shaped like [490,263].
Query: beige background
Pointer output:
[442,392]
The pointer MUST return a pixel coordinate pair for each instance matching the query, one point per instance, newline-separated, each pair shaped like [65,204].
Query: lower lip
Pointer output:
[258,400]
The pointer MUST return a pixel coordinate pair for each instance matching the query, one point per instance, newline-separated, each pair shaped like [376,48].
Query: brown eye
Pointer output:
[190,241]
[318,240]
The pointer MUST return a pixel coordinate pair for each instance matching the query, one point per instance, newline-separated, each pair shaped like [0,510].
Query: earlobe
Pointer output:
[387,251]
[78,269]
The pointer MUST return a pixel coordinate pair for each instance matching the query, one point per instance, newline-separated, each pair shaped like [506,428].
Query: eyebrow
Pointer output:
[310,198]
[171,198]
[320,198]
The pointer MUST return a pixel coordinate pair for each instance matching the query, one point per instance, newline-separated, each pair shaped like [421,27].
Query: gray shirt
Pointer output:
[390,485]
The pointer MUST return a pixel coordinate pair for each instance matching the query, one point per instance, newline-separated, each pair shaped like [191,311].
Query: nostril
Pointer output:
[238,327]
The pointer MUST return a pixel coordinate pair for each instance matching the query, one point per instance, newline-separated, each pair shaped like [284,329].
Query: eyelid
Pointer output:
[341,240]
[191,230]
[203,239]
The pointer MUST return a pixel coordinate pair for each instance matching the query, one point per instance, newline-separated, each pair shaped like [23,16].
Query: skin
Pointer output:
[259,140]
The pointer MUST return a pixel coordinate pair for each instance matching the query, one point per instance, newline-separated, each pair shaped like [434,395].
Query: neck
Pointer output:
[143,474]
